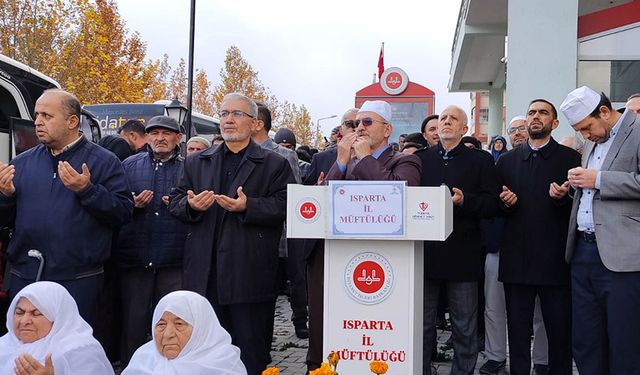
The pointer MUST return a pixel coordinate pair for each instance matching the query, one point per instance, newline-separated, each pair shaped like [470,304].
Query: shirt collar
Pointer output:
[545,150]
[69,146]
[379,151]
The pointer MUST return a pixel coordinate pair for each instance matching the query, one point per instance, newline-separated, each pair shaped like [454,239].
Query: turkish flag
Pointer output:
[381,62]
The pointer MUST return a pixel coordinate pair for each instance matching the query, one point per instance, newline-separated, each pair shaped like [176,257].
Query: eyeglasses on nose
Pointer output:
[236,114]
[367,121]
[520,128]
[351,124]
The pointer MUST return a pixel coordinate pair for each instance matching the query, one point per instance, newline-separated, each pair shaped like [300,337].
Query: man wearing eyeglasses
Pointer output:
[517,131]
[456,264]
[234,199]
[366,154]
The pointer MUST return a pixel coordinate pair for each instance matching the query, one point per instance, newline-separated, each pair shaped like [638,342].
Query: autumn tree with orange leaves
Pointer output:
[85,46]
[239,76]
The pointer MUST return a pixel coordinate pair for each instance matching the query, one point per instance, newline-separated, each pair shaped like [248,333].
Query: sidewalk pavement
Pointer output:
[289,352]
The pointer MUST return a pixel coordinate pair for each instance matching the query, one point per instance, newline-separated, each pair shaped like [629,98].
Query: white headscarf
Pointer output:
[208,351]
[70,341]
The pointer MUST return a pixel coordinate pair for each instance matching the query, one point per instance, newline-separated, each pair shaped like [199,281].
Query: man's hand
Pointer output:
[582,178]
[345,148]
[320,179]
[27,365]
[143,199]
[7,172]
[458,196]
[233,205]
[558,191]
[508,197]
[165,200]
[73,180]
[361,148]
[202,201]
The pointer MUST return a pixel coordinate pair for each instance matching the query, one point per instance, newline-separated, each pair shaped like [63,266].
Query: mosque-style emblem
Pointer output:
[368,278]
[308,209]
[394,81]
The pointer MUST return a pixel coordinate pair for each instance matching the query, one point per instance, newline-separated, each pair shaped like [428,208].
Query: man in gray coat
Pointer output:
[604,228]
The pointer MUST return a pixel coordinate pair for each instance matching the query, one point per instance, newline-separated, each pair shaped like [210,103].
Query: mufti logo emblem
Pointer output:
[368,278]
[307,209]
[423,206]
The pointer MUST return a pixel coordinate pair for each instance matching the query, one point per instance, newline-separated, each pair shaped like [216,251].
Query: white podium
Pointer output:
[373,265]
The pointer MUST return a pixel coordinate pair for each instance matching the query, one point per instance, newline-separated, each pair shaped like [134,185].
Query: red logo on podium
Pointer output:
[423,206]
[368,278]
[308,210]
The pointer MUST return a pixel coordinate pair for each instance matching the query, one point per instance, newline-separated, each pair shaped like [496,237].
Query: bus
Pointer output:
[112,116]
[20,87]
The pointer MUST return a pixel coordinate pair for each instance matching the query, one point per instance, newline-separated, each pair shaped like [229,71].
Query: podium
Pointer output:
[373,265]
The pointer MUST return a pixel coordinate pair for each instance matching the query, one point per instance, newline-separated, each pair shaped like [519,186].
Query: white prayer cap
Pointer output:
[579,104]
[517,118]
[380,107]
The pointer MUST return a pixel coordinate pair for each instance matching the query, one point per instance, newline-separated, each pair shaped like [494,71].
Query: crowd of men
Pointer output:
[544,240]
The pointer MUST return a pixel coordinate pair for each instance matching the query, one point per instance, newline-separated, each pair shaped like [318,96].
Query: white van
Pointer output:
[20,87]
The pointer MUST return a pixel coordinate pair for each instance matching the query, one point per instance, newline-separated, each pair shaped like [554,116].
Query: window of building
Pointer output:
[484,115]
[617,78]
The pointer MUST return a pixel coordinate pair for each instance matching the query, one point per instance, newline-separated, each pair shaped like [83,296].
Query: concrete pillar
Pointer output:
[495,113]
[542,53]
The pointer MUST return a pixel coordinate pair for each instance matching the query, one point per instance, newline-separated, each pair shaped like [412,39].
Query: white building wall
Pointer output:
[542,57]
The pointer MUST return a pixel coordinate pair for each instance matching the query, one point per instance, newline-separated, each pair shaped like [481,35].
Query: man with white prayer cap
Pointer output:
[602,245]
[366,153]
[517,130]
[187,339]
[47,335]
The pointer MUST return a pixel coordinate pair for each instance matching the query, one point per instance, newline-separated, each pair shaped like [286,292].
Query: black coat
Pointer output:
[247,250]
[459,257]
[535,231]
[321,162]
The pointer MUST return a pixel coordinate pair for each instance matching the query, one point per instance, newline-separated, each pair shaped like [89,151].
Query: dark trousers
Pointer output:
[84,291]
[606,315]
[463,310]
[141,289]
[296,274]
[555,302]
[245,322]
[315,291]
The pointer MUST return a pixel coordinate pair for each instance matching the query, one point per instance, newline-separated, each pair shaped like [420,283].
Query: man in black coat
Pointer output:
[456,264]
[537,206]
[234,198]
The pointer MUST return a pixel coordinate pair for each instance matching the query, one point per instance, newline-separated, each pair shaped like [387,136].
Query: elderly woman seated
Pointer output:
[187,339]
[47,334]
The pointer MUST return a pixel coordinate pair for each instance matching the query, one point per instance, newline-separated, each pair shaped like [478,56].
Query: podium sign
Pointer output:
[374,209]
[373,270]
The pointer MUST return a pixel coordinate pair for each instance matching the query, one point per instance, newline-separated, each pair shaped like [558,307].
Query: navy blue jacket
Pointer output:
[154,238]
[72,230]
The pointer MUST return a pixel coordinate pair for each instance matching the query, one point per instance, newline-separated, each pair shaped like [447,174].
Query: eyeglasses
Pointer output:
[521,128]
[349,124]
[236,114]
[367,121]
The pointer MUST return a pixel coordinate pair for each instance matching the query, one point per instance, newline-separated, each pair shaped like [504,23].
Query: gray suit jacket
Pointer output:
[290,155]
[616,206]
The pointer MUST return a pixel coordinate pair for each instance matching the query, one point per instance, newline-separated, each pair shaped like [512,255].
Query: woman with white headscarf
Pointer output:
[187,339]
[47,334]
